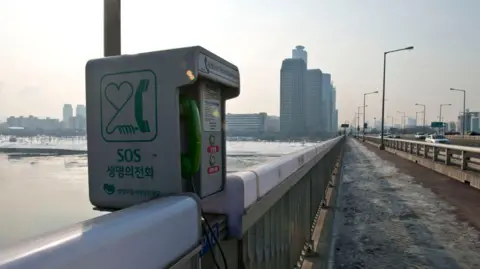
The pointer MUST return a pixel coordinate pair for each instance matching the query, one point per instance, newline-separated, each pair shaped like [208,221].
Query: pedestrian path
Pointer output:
[389,220]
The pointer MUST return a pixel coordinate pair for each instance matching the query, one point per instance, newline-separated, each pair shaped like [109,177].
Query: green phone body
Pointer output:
[190,161]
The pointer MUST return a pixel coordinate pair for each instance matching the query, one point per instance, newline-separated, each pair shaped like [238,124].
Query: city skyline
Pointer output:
[344,38]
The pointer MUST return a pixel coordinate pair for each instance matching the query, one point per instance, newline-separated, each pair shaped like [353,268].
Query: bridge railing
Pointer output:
[264,218]
[271,208]
[163,233]
[467,159]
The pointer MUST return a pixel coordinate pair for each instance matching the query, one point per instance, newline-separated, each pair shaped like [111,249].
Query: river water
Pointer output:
[40,194]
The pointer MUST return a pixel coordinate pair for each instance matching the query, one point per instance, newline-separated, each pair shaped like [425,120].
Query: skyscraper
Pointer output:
[327,100]
[299,53]
[333,107]
[67,115]
[314,104]
[292,97]
[80,111]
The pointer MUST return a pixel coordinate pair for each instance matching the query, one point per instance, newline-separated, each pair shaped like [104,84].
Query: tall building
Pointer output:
[452,126]
[246,124]
[327,91]
[299,52]
[335,121]
[411,122]
[80,111]
[468,120]
[67,115]
[272,124]
[314,102]
[475,124]
[333,106]
[292,97]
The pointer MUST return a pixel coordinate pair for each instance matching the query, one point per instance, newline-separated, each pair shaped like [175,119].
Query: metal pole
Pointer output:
[111,28]
[464,114]
[382,146]
[358,122]
[424,124]
[364,95]
[440,116]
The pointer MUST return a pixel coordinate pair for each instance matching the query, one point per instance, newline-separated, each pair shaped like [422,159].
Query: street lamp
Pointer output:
[424,111]
[464,114]
[402,121]
[358,120]
[392,121]
[382,146]
[416,118]
[440,116]
[111,28]
[364,97]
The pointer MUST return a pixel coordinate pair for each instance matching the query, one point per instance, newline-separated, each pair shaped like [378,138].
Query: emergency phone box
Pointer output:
[156,125]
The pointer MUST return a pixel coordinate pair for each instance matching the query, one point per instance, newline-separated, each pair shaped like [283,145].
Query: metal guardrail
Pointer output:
[164,233]
[271,208]
[463,137]
[466,158]
[263,219]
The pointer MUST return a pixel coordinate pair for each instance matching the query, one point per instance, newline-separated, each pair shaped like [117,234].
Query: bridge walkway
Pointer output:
[396,214]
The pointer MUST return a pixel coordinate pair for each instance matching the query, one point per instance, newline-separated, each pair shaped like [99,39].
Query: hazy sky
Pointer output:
[45,44]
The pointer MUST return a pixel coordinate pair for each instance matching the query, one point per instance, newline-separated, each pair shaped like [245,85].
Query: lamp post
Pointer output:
[464,114]
[358,121]
[364,97]
[391,126]
[424,109]
[416,118]
[402,119]
[440,116]
[111,28]
[382,146]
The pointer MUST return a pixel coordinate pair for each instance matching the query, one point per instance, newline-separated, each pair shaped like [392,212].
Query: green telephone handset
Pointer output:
[191,159]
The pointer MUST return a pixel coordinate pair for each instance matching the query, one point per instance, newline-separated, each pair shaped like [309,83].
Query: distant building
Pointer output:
[292,97]
[314,102]
[67,114]
[80,121]
[299,53]
[34,123]
[81,111]
[246,124]
[411,122]
[272,125]
[468,120]
[475,124]
[327,91]
[335,120]
[452,126]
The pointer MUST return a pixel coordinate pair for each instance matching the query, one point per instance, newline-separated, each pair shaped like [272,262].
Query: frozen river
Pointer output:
[39,194]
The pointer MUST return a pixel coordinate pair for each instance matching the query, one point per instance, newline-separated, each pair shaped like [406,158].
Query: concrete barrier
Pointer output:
[458,162]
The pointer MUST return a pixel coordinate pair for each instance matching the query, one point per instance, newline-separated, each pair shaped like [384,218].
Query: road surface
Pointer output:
[391,218]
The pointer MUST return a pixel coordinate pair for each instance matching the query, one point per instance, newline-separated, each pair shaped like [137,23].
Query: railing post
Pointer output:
[447,157]
[435,153]
[464,160]
[417,149]
[425,151]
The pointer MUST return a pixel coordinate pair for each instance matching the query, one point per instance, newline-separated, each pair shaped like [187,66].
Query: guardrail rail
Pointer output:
[459,162]
[264,218]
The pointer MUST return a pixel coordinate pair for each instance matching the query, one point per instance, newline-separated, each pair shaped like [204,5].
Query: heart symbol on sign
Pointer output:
[118,95]
[109,188]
